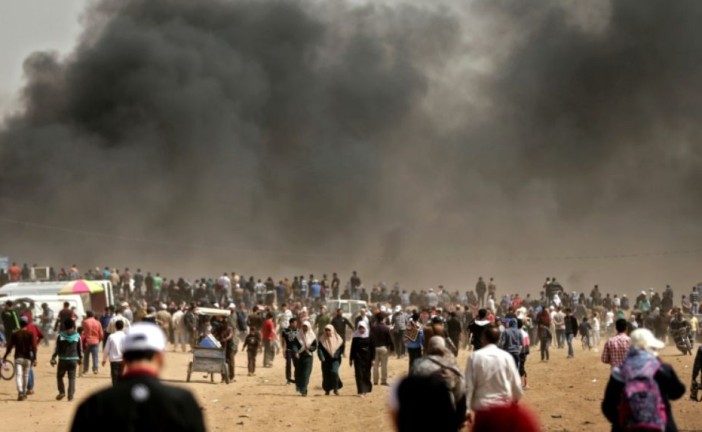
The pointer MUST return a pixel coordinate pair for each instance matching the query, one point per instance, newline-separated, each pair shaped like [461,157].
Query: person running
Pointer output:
[113,351]
[361,358]
[139,401]
[307,344]
[330,351]
[69,352]
[25,348]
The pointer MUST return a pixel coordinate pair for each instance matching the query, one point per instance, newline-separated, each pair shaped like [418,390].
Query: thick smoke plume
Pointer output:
[424,142]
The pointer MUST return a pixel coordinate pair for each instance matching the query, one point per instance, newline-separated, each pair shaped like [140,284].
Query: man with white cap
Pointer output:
[139,401]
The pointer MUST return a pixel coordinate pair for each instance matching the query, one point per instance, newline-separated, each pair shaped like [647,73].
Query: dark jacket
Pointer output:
[140,402]
[670,387]
[380,336]
[571,325]
[68,346]
[23,343]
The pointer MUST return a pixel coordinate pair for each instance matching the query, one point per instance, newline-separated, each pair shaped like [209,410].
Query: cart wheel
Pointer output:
[212,378]
[190,371]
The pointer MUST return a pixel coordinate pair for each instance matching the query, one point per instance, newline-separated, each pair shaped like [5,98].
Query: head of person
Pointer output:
[252,330]
[305,327]
[482,314]
[23,322]
[143,347]
[66,305]
[491,334]
[69,325]
[119,325]
[409,411]
[89,314]
[361,328]
[437,346]
[643,339]
[293,323]
[339,312]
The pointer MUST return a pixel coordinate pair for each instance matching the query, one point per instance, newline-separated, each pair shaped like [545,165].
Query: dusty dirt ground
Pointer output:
[566,394]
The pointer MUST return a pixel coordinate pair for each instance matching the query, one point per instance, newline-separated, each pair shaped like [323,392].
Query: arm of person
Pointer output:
[673,388]
[354,348]
[698,364]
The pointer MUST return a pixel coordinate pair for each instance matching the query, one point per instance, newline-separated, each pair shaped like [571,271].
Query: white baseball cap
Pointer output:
[144,336]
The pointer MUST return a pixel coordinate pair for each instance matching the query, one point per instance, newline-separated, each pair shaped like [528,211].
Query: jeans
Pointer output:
[569,339]
[66,366]
[115,368]
[22,367]
[695,308]
[381,361]
[30,381]
[544,343]
[252,361]
[91,350]
[560,337]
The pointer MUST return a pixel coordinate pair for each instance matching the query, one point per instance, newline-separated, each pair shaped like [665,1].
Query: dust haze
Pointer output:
[419,142]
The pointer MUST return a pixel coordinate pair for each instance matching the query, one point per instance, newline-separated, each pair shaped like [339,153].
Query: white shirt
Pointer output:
[492,378]
[113,347]
[609,319]
[596,324]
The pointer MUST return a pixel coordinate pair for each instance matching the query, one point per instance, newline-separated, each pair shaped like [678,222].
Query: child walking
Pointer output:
[251,343]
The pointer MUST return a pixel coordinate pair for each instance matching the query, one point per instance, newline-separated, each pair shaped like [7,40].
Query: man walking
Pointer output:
[22,342]
[70,354]
[571,331]
[290,347]
[92,336]
[139,401]
[617,347]
[113,351]
[382,340]
[492,378]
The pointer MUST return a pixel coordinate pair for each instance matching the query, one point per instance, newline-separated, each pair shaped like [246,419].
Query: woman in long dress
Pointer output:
[361,358]
[308,345]
[331,347]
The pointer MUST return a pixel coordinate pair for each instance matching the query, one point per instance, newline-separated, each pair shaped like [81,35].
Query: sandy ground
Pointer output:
[566,394]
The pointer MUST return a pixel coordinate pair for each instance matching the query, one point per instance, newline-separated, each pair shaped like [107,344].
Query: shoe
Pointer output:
[336,392]
[70,398]
[384,384]
[326,393]
[95,372]
[375,383]
[30,391]
[21,397]
[60,396]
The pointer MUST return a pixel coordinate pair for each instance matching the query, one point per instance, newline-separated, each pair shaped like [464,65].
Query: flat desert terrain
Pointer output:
[565,393]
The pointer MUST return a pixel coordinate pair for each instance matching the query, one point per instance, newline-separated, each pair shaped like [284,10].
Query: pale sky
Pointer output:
[32,25]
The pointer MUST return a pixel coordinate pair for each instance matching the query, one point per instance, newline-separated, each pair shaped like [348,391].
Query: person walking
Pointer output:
[307,344]
[414,341]
[382,342]
[251,344]
[92,336]
[571,330]
[654,382]
[139,401]
[362,358]
[617,347]
[340,323]
[330,351]
[492,378]
[268,336]
[46,320]
[290,347]
[23,343]
[69,352]
[113,351]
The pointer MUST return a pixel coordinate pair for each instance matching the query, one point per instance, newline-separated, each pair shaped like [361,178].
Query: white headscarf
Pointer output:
[364,334]
[306,339]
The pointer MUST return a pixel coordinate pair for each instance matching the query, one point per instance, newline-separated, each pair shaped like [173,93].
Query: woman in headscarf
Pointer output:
[414,340]
[307,345]
[361,358]
[331,347]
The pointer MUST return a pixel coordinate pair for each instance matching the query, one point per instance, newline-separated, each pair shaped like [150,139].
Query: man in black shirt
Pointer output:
[339,322]
[291,346]
[382,341]
[139,401]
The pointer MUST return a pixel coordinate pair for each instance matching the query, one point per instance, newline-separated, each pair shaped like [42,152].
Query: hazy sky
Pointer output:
[30,25]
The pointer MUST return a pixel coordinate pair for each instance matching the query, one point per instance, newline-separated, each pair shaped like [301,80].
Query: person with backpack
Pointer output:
[639,391]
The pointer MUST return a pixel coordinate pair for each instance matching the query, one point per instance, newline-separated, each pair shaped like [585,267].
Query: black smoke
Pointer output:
[418,141]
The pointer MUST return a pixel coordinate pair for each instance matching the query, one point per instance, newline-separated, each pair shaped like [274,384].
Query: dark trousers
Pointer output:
[231,354]
[289,363]
[115,368]
[91,351]
[544,344]
[252,361]
[414,354]
[66,366]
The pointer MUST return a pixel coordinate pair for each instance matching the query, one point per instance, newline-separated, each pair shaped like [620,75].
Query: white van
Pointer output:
[97,302]
[55,303]
[349,308]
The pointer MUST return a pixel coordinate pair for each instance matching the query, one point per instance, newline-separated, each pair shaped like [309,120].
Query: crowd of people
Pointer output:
[428,327]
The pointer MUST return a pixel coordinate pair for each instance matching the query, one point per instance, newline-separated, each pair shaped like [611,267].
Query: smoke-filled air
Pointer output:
[413,141]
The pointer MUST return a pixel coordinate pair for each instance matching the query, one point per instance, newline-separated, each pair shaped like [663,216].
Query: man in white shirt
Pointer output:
[113,351]
[492,378]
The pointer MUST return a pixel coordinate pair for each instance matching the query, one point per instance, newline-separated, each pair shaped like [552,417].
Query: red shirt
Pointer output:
[36,332]
[15,273]
[268,330]
[92,331]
